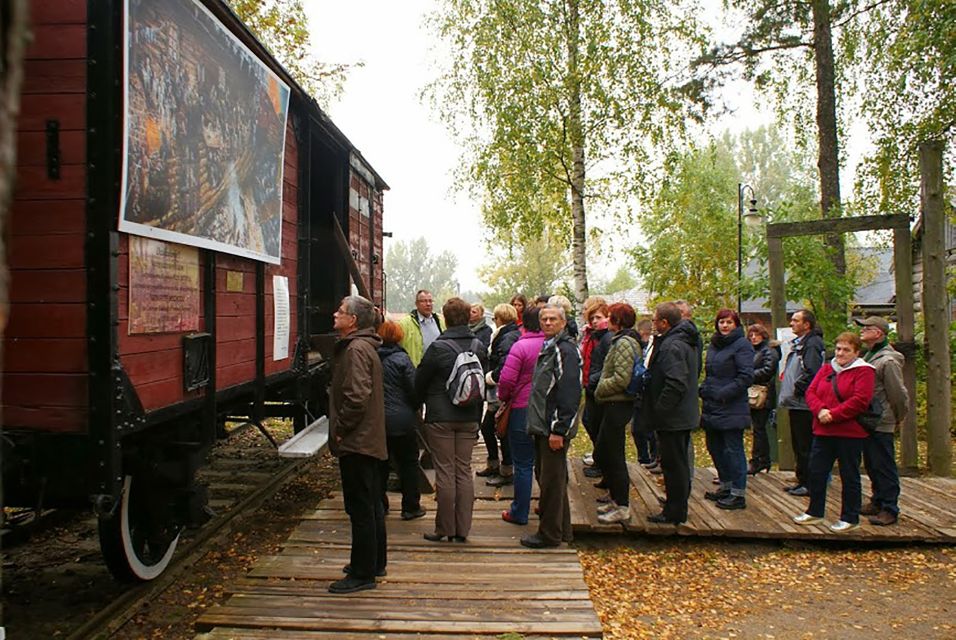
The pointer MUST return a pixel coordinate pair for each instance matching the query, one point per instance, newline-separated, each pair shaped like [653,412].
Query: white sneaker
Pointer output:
[806,518]
[840,526]
[607,507]
[588,459]
[618,514]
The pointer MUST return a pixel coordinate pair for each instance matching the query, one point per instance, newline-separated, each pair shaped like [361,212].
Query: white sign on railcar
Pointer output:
[204,136]
[280,297]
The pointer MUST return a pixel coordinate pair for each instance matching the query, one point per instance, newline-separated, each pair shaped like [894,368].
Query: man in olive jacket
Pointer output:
[552,421]
[670,404]
[879,455]
[357,438]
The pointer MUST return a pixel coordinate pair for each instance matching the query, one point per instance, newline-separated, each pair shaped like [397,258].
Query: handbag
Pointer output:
[870,418]
[757,396]
[502,415]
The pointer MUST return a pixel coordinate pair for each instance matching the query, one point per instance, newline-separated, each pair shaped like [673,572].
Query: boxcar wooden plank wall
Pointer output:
[45,364]
[365,227]
[154,362]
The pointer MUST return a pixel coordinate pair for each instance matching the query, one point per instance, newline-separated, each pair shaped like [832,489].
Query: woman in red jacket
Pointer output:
[841,391]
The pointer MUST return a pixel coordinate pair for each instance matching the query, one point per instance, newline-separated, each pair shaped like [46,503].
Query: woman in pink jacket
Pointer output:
[839,393]
[514,386]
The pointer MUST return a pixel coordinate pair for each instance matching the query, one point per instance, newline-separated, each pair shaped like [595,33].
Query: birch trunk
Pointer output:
[576,133]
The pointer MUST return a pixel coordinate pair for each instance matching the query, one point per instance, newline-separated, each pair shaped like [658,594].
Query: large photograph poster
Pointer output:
[205,134]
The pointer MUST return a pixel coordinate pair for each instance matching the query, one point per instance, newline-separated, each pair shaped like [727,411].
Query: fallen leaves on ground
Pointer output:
[724,589]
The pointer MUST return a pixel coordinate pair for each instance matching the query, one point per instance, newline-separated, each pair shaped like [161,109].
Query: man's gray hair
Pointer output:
[362,309]
[555,307]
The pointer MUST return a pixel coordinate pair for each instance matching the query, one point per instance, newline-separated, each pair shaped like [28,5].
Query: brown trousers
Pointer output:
[451,444]
[555,524]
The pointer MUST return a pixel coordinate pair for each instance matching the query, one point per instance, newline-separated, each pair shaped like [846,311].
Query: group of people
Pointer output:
[390,385]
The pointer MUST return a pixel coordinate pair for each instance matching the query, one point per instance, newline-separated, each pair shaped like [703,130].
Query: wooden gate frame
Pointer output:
[905,313]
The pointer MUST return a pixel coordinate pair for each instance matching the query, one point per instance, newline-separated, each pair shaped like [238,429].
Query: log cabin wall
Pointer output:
[45,357]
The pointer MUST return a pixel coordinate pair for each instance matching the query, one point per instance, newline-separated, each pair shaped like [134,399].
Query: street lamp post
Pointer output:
[752,218]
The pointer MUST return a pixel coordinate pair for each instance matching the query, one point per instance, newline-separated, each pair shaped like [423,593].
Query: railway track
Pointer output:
[243,473]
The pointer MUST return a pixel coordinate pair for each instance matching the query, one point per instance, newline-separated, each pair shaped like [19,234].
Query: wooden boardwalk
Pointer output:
[491,585]
[928,510]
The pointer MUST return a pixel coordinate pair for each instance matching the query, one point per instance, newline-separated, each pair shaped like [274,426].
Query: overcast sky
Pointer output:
[382,114]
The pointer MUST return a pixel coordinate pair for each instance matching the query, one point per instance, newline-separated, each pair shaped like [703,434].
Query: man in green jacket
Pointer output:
[421,326]
[879,456]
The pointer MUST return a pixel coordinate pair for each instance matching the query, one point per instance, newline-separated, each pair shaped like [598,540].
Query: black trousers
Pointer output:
[675,464]
[555,523]
[879,458]
[801,437]
[362,493]
[610,449]
[760,452]
[491,438]
[592,419]
[404,451]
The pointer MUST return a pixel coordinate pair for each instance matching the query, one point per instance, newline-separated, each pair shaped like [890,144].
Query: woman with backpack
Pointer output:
[729,372]
[839,395]
[514,386]
[617,408]
[451,421]
[398,376]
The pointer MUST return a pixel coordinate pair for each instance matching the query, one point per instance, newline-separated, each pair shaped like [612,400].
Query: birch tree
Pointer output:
[560,106]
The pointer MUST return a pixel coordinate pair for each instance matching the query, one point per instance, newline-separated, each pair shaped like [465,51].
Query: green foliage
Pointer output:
[283,27]
[527,83]
[904,54]
[534,268]
[691,232]
[623,279]
[410,267]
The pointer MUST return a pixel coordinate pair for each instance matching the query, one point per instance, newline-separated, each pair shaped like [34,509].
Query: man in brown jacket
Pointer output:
[357,438]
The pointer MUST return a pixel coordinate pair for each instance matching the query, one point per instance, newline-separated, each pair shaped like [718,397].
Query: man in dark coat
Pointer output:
[357,438]
[552,421]
[670,404]
[804,360]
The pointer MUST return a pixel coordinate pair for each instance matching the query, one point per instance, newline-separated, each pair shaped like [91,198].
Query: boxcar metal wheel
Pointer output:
[134,548]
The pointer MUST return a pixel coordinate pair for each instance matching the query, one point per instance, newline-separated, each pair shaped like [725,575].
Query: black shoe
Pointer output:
[592,472]
[716,495]
[349,584]
[660,518]
[500,481]
[732,502]
[347,570]
[411,515]
[757,467]
[650,464]
[661,500]
[534,541]
[488,471]
[434,537]
[458,538]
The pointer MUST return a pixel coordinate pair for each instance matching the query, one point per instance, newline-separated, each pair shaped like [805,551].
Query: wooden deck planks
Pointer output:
[491,585]
[928,509]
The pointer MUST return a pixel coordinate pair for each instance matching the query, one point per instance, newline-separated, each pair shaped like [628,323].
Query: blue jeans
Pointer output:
[823,452]
[522,457]
[726,447]
[879,458]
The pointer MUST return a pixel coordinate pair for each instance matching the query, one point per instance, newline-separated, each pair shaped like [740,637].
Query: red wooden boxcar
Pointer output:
[93,414]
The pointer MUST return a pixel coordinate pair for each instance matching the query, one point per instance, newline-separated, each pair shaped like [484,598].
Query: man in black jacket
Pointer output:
[552,420]
[804,360]
[670,404]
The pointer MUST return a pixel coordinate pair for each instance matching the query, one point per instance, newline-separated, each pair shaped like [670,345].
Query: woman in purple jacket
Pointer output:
[514,386]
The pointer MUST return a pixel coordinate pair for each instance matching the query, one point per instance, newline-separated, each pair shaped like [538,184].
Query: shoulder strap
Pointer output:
[833,380]
[453,344]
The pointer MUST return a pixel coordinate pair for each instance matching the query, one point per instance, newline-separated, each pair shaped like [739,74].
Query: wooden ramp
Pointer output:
[487,586]
[928,509]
